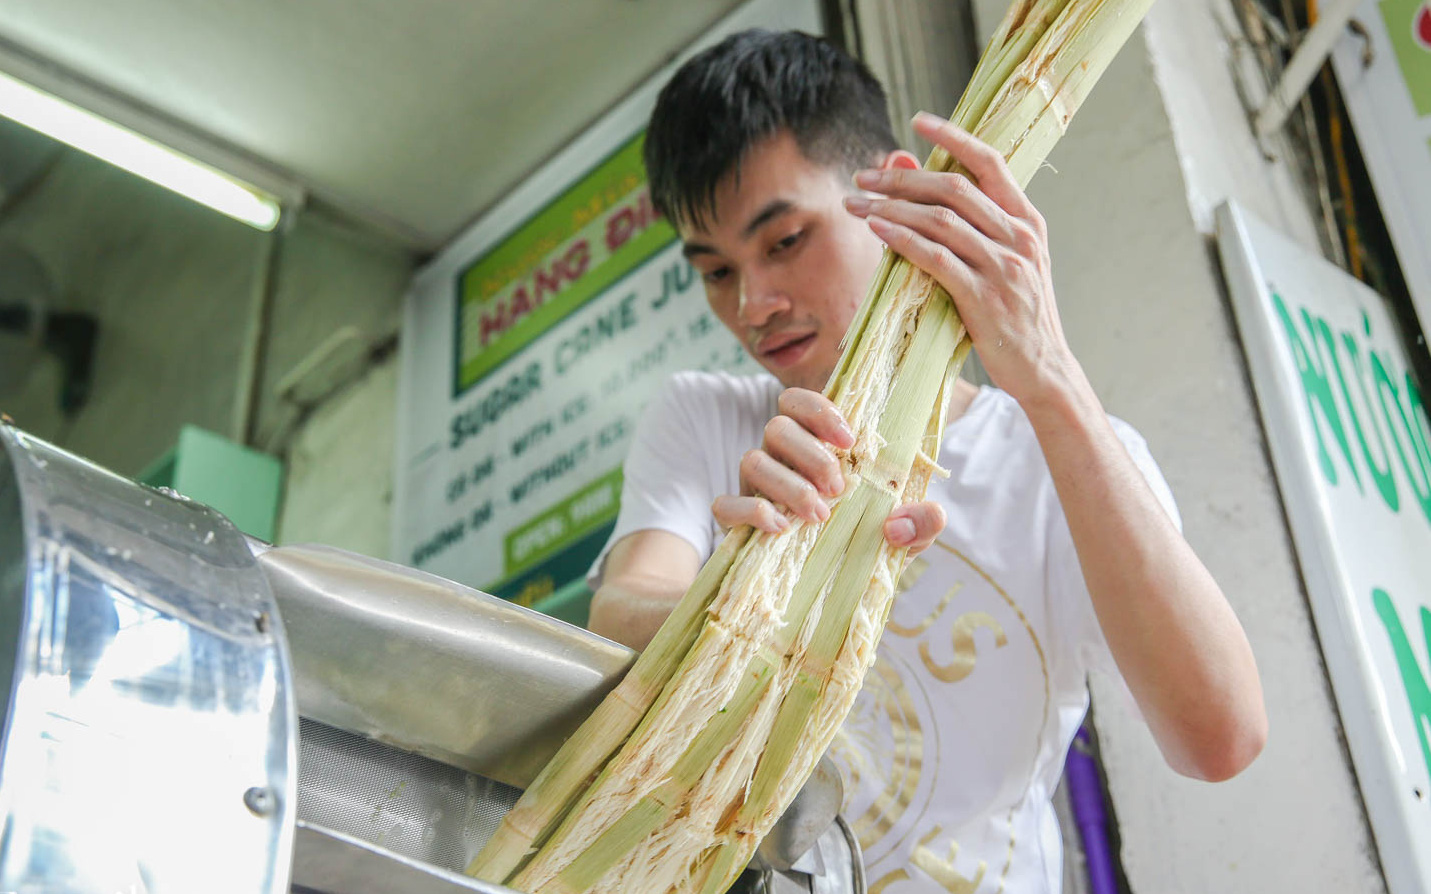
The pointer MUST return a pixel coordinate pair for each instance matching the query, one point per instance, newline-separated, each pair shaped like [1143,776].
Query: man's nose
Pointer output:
[761,297]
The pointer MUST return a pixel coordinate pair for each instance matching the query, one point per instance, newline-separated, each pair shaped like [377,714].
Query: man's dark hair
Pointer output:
[729,98]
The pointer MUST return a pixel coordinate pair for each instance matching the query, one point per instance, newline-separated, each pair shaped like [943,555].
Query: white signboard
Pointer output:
[1349,437]
[529,349]
[1389,102]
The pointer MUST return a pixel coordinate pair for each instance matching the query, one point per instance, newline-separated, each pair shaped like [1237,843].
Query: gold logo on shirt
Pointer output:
[883,741]
[965,650]
[937,868]
[893,715]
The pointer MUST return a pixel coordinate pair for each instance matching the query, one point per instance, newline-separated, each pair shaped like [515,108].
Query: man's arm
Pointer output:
[1168,625]
[1175,638]
[646,574]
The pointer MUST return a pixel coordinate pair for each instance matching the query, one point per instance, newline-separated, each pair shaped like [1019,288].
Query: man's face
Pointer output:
[785,266]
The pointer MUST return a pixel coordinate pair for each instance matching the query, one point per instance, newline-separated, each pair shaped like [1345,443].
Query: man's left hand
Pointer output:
[982,239]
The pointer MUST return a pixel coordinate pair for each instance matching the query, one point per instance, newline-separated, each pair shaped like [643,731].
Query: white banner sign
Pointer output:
[1349,437]
[529,349]
[1389,101]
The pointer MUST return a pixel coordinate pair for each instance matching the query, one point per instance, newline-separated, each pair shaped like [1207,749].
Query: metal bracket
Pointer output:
[1316,46]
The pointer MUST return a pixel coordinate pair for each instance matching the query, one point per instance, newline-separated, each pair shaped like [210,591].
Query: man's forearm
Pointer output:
[1170,629]
[630,612]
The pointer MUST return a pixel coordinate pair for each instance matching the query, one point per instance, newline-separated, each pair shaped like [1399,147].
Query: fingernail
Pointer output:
[866,179]
[836,485]
[927,118]
[901,532]
[781,522]
[846,433]
[822,511]
[857,204]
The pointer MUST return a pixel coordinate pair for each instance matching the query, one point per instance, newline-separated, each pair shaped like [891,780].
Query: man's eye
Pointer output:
[714,276]
[787,243]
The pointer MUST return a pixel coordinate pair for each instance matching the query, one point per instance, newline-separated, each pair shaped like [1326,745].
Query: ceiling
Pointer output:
[417,113]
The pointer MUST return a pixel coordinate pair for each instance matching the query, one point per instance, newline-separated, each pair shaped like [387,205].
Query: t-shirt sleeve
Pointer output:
[665,483]
[1069,590]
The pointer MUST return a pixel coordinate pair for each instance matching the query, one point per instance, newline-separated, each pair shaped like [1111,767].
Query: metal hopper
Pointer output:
[193,711]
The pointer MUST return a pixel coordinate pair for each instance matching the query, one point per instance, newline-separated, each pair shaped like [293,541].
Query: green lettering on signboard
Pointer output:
[1380,471]
[1318,390]
[1418,695]
[1407,439]
[596,232]
[1417,472]
[561,525]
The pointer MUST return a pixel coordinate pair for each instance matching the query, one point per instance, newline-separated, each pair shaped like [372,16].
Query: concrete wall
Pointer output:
[1161,142]
[171,284]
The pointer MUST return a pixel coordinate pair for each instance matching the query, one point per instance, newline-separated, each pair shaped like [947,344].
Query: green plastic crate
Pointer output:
[242,483]
[572,603]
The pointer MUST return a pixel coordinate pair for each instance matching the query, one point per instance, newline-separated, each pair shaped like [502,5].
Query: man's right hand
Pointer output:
[795,470]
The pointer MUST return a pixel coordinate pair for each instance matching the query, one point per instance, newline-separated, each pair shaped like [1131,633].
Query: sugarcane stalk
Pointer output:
[903,431]
[831,546]
[656,807]
[547,800]
[1019,31]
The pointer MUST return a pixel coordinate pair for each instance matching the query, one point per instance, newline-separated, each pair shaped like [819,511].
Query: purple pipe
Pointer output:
[1085,794]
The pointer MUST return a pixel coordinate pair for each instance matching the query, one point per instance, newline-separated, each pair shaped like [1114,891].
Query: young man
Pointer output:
[1054,546]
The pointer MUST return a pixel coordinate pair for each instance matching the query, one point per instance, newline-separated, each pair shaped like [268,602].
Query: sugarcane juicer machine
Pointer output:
[190,711]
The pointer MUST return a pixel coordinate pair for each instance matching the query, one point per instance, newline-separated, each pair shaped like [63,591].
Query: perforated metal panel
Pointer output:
[398,801]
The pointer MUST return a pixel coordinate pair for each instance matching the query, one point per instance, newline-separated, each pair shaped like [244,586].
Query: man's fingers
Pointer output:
[951,271]
[757,512]
[941,226]
[818,415]
[765,475]
[915,526]
[936,189]
[789,442]
[794,467]
[981,160]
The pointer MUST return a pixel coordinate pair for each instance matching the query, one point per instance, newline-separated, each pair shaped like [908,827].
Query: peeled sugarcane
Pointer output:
[681,771]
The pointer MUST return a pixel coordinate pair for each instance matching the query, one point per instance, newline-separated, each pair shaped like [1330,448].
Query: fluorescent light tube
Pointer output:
[139,155]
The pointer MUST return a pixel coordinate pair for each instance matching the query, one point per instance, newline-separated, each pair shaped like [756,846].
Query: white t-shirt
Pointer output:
[957,740]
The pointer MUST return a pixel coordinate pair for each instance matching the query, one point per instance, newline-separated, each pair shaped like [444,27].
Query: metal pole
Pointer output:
[255,343]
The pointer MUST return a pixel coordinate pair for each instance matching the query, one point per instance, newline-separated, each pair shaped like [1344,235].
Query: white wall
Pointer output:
[340,468]
[1163,140]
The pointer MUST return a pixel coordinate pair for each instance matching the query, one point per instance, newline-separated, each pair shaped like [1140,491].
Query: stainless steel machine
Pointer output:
[191,711]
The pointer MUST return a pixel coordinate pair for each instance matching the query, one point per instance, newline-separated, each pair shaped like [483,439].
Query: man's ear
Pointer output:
[900,158]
